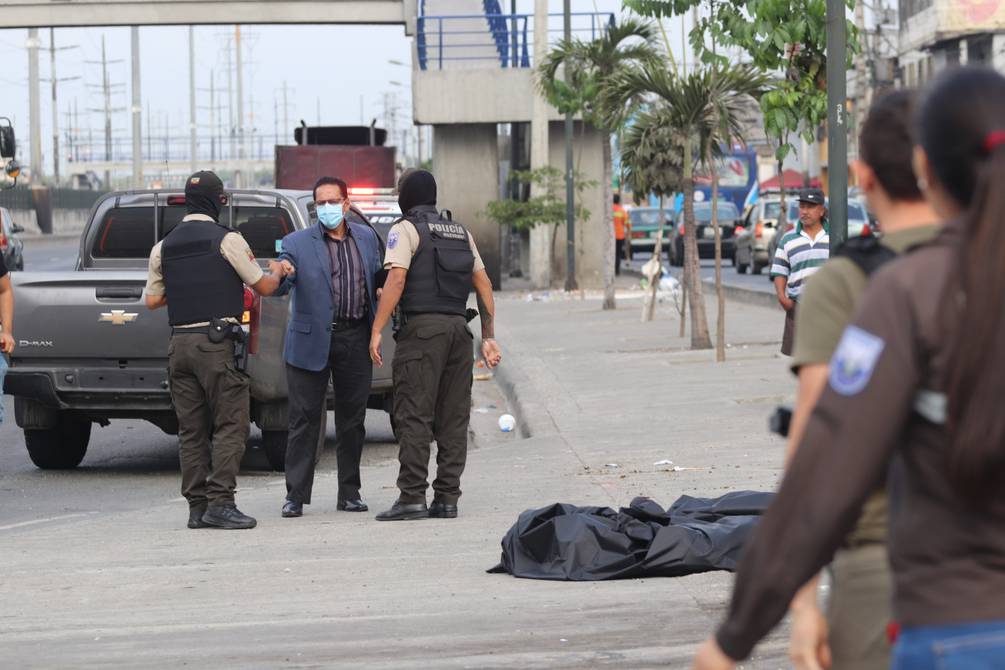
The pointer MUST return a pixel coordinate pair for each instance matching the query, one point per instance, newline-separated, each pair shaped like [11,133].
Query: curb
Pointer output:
[746,295]
[532,418]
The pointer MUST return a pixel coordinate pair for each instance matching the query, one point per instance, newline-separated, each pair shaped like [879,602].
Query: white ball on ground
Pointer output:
[507,422]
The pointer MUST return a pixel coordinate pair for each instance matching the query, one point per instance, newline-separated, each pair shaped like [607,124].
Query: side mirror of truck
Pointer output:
[8,144]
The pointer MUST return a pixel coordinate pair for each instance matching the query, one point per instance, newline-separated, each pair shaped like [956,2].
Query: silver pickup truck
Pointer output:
[89,351]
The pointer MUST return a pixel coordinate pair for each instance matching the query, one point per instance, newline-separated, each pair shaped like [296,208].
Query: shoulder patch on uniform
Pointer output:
[392,239]
[854,360]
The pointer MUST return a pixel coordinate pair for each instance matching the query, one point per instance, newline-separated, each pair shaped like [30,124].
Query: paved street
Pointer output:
[99,569]
[730,277]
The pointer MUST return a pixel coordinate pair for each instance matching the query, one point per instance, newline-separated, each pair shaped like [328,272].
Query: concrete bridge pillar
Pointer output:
[466,167]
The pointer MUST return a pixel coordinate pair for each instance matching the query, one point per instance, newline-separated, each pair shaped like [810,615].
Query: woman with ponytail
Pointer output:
[916,397]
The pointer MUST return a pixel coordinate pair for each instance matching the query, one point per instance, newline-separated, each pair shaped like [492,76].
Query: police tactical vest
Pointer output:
[439,278]
[201,285]
[867,252]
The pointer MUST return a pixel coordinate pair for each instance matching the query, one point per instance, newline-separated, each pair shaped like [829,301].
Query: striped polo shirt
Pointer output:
[798,256]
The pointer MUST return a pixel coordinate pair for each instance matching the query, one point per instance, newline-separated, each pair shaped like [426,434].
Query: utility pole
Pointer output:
[863,97]
[242,149]
[34,104]
[286,111]
[193,144]
[837,123]
[150,134]
[214,117]
[570,194]
[55,104]
[106,89]
[137,109]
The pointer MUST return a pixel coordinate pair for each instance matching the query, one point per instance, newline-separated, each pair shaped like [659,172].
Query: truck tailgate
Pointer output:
[86,315]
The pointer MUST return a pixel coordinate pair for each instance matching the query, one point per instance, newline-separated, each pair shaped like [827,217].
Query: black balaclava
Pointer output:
[203,192]
[417,188]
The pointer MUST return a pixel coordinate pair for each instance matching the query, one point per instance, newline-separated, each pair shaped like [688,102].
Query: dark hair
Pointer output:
[961,110]
[331,180]
[617,198]
[886,146]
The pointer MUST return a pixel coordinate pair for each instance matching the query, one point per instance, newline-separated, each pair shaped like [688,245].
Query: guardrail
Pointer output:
[512,36]
[62,198]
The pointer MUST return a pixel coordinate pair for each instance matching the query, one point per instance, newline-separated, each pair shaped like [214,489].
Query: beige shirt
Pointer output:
[233,247]
[403,241]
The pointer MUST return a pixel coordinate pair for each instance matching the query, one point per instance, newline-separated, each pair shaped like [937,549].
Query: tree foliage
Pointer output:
[546,207]
[787,37]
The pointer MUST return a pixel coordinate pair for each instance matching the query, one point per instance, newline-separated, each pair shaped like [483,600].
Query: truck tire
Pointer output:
[274,443]
[59,448]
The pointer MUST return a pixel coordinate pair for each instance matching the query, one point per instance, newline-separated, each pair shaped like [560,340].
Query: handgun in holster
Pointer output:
[221,330]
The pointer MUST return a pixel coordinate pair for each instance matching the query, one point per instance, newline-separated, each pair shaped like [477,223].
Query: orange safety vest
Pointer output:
[620,219]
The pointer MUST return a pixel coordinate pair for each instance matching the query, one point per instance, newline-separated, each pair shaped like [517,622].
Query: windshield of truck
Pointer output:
[128,232]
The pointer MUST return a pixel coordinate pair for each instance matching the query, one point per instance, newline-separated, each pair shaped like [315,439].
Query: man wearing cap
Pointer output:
[198,271]
[799,255]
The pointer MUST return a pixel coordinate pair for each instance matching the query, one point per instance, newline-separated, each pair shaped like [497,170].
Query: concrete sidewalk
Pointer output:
[337,590]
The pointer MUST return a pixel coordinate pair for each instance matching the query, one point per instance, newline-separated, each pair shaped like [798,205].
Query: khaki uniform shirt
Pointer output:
[829,302]
[233,247]
[403,242]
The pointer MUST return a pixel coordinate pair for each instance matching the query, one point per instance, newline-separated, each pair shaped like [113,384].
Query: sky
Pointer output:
[347,70]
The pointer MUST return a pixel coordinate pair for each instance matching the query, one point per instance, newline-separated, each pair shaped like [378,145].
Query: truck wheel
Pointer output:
[61,447]
[274,443]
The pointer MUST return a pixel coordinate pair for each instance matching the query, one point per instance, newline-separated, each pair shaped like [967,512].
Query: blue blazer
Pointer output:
[308,336]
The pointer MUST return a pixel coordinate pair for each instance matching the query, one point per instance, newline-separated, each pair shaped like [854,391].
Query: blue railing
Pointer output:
[512,38]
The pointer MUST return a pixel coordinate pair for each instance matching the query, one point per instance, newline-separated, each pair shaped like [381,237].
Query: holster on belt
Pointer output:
[221,330]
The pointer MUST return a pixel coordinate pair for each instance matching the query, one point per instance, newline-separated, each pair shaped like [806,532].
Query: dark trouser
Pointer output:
[351,372]
[859,611]
[432,400]
[619,253]
[210,397]
[789,334]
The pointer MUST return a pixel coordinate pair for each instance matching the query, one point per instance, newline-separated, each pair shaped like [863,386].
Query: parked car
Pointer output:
[645,222]
[11,247]
[90,352]
[755,235]
[728,217]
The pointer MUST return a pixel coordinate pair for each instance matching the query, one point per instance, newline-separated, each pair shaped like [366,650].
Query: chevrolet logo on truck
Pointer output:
[118,317]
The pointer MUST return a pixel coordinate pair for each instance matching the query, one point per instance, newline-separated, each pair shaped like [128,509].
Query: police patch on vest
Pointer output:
[392,240]
[451,231]
[854,361]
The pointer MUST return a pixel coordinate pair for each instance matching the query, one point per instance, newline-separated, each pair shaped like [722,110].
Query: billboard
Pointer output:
[970,16]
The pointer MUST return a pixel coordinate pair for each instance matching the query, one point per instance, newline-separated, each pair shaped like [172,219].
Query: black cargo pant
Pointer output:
[351,371]
[432,400]
[210,397]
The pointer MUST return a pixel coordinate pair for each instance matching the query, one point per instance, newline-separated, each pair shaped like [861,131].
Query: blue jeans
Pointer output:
[971,646]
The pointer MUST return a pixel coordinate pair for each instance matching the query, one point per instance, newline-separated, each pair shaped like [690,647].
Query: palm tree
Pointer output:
[652,164]
[704,110]
[587,67]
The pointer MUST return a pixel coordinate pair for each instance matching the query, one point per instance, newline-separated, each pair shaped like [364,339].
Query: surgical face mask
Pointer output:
[331,216]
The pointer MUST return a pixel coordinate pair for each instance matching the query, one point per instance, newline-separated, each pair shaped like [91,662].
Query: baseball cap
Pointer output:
[812,195]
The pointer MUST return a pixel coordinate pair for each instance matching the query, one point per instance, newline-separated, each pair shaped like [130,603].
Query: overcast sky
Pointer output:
[343,67]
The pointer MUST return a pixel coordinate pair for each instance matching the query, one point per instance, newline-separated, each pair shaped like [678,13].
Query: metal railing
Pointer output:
[512,36]
[19,198]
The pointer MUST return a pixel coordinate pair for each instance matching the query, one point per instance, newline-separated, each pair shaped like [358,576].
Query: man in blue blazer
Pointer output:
[336,271]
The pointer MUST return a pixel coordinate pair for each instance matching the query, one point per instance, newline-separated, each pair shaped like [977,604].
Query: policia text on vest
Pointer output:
[433,266]
[199,272]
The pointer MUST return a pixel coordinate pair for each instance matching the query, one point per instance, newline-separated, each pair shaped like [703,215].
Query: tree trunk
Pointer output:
[608,223]
[720,325]
[649,305]
[683,302]
[692,264]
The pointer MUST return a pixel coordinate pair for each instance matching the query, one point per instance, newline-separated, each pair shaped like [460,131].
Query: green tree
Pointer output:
[545,208]
[588,66]
[787,37]
[702,110]
[652,162]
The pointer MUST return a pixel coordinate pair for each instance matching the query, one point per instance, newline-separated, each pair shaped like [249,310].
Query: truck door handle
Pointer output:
[120,292]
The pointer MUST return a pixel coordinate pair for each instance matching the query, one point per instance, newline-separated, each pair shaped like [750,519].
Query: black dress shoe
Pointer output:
[227,517]
[292,509]
[439,510]
[404,512]
[357,505]
[195,517]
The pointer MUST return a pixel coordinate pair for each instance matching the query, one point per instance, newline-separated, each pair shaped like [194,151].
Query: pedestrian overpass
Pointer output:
[83,13]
